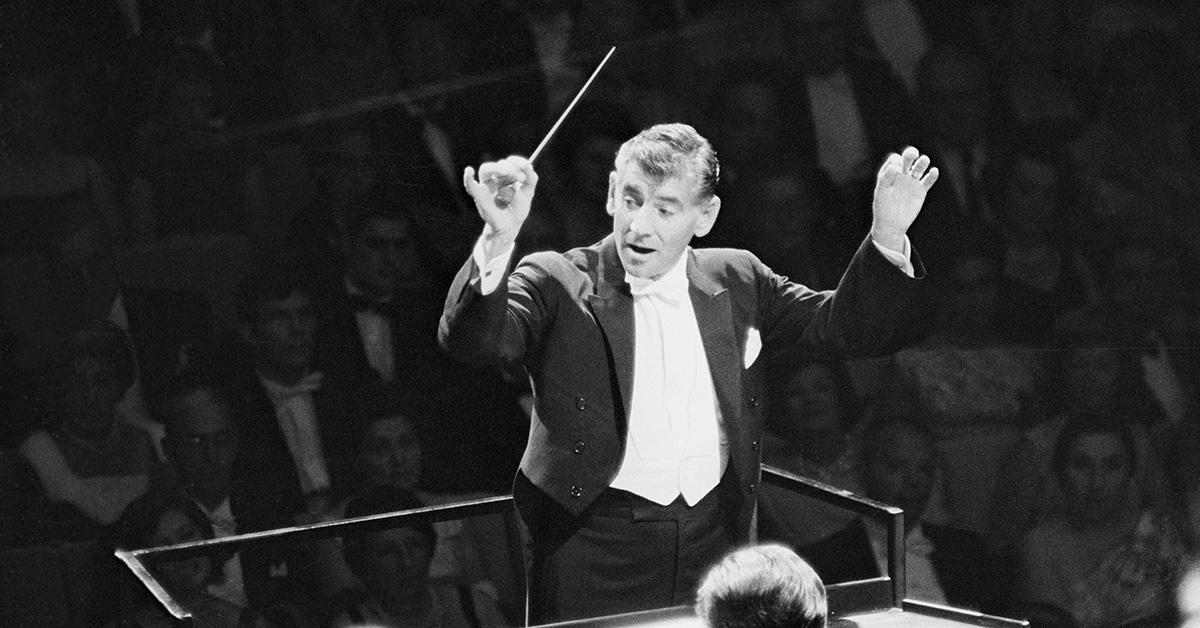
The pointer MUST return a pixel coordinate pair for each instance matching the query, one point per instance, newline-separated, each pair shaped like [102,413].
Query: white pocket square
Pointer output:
[753,346]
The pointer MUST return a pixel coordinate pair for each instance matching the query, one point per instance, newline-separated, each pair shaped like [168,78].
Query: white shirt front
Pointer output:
[297,417]
[232,587]
[675,444]
[375,332]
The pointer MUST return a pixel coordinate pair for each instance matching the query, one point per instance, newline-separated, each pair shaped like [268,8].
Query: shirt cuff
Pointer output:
[900,259]
[490,273]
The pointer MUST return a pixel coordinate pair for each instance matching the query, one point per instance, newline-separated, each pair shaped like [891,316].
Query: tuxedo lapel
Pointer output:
[714,316]
[613,307]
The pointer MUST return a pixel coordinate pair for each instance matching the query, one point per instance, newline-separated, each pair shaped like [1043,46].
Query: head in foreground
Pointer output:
[762,586]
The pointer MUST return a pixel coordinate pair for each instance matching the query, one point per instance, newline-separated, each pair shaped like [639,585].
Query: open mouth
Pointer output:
[640,250]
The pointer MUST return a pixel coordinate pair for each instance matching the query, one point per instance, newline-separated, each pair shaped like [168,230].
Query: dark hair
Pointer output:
[107,343]
[666,150]
[378,500]
[1080,424]
[141,517]
[273,281]
[191,380]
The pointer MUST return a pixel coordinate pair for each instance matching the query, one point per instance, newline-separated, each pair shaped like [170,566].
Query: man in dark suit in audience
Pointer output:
[379,319]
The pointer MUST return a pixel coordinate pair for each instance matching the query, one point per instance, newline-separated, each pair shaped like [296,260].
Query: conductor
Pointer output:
[645,357]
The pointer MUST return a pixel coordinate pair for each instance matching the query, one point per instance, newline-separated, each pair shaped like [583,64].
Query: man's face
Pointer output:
[91,393]
[383,256]
[902,474]
[184,575]
[390,453]
[202,443]
[1096,476]
[396,567]
[653,221]
[812,399]
[283,332]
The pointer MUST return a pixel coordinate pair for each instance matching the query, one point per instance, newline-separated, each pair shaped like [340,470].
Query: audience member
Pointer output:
[1104,560]
[1044,275]
[166,518]
[41,178]
[973,387]
[202,444]
[1088,373]
[297,425]
[186,175]
[390,455]
[954,88]
[1144,283]
[809,434]
[897,464]
[167,327]
[379,320]
[89,464]
[1135,158]
[394,568]
[762,586]
[845,126]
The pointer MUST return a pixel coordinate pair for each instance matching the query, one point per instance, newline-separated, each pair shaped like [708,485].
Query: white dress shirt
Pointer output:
[375,332]
[297,416]
[232,587]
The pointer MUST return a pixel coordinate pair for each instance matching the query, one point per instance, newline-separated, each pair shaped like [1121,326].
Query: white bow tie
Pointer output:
[670,289]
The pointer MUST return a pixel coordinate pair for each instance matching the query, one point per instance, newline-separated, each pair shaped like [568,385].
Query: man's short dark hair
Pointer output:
[273,281]
[192,380]
[762,586]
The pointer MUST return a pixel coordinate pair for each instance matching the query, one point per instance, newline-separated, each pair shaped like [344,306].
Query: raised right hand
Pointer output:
[503,193]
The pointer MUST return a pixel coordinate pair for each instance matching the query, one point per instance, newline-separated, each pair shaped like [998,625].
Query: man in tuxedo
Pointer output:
[297,427]
[643,455]
[379,319]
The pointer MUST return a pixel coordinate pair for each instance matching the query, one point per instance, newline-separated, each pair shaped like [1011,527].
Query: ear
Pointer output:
[708,216]
[610,203]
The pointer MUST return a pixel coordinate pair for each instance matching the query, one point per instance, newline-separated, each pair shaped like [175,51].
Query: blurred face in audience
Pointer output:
[390,453]
[1090,374]
[902,472]
[813,403]
[202,443]
[185,575]
[1096,476]
[283,333]
[82,276]
[90,396]
[383,257]
[971,297]
[395,569]
[822,40]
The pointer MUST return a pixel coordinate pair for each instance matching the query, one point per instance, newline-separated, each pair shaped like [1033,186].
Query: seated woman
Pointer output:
[467,551]
[89,464]
[809,435]
[1104,559]
[167,518]
[393,566]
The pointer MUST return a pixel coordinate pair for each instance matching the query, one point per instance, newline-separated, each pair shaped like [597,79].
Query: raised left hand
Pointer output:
[900,189]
